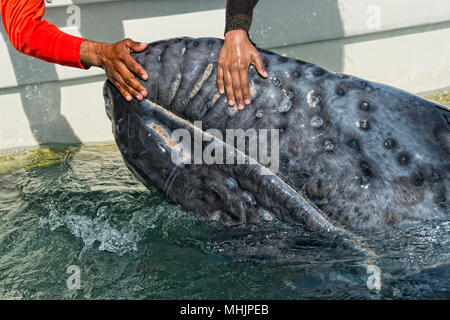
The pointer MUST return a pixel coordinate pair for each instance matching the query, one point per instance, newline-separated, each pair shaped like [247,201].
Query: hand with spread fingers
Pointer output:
[236,56]
[118,64]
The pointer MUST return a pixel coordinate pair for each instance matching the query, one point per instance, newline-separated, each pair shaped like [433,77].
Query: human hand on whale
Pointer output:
[119,66]
[236,56]
[23,22]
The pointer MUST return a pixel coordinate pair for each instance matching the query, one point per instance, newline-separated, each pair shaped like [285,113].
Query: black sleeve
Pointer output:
[239,14]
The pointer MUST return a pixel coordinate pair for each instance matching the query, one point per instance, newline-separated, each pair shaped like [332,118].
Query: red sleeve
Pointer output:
[33,36]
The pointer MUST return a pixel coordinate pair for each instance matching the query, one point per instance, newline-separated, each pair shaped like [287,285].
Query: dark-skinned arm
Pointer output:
[119,66]
[36,37]
[237,54]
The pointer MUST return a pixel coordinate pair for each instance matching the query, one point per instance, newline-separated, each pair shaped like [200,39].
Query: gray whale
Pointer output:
[352,153]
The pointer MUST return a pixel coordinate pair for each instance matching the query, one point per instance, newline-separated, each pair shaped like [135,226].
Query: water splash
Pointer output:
[90,230]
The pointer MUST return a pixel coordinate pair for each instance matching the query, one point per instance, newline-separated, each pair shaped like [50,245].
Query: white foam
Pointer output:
[90,230]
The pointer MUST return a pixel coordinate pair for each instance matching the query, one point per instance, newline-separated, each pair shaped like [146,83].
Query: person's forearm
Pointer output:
[90,55]
[31,35]
[239,14]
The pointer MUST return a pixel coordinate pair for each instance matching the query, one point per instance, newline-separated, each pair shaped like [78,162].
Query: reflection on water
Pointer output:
[81,206]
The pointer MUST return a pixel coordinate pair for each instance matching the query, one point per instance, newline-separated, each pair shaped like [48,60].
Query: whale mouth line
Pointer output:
[316,213]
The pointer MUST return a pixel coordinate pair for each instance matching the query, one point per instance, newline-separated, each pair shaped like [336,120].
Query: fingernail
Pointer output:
[144,93]
[221,91]
[144,77]
[128,98]
[247,101]
[231,103]
[139,97]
